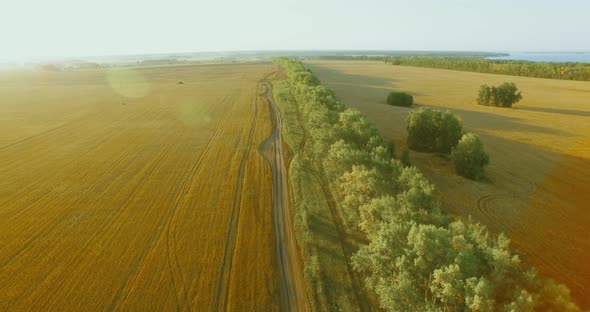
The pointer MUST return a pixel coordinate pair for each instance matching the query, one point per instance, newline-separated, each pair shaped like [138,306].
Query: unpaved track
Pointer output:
[292,286]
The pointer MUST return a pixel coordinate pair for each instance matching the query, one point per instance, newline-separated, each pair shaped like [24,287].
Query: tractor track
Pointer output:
[172,267]
[483,204]
[222,288]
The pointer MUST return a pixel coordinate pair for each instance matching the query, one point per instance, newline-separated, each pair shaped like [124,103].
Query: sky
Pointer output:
[41,29]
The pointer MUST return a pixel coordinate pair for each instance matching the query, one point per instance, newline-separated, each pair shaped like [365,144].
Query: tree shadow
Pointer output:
[322,226]
[334,277]
[537,197]
[330,73]
[491,121]
[365,88]
[571,112]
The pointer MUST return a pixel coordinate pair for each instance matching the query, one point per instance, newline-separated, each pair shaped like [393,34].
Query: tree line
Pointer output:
[383,55]
[564,71]
[417,258]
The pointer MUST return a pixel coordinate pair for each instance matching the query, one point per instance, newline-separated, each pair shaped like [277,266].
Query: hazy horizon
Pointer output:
[66,29]
[269,51]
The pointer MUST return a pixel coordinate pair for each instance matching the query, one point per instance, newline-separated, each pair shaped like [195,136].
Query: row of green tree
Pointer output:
[417,258]
[565,71]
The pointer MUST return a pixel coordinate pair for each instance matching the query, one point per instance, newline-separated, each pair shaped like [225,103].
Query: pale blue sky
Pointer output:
[41,28]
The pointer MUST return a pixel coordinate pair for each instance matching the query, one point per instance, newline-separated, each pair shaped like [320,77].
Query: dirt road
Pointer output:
[292,286]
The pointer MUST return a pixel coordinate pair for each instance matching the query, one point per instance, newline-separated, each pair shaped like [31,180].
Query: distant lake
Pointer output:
[581,57]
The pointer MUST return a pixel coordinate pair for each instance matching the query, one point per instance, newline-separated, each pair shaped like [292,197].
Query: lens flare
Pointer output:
[191,113]
[129,83]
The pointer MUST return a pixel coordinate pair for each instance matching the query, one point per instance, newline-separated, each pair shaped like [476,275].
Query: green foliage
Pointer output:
[354,127]
[318,246]
[342,156]
[321,257]
[304,77]
[504,95]
[565,71]
[415,190]
[469,157]
[310,114]
[293,131]
[449,132]
[422,129]
[454,267]
[359,186]
[431,130]
[400,99]
[416,259]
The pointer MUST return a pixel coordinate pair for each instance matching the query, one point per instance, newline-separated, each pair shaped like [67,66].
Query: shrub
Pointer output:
[504,95]
[400,99]
[469,157]
[449,132]
[422,129]
[431,130]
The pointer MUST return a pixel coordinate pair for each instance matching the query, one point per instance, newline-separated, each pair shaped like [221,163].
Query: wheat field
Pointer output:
[538,182]
[135,189]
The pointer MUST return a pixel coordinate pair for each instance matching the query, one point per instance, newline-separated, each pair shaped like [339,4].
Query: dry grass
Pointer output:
[539,178]
[324,245]
[124,203]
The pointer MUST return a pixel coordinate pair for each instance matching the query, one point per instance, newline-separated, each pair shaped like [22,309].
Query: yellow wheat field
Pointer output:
[539,177]
[135,189]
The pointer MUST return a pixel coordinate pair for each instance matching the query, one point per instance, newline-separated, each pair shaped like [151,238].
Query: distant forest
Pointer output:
[466,61]
[388,55]
[564,71]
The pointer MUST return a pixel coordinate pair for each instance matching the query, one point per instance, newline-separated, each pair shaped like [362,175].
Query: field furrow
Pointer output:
[113,202]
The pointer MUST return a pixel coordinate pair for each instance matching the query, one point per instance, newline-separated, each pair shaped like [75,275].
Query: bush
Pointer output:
[449,132]
[469,157]
[422,129]
[431,130]
[400,99]
[504,95]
